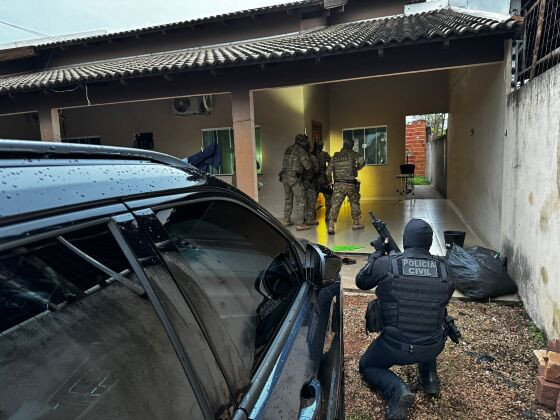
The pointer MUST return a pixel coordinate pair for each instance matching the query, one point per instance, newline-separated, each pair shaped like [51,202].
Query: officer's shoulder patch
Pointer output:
[419,267]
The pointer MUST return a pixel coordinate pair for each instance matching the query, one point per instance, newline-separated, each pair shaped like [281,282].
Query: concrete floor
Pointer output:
[436,211]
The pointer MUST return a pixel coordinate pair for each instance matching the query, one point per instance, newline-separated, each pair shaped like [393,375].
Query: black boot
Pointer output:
[428,378]
[399,403]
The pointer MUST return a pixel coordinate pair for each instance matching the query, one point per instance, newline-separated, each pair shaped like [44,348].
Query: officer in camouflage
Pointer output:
[295,162]
[413,290]
[344,169]
[322,183]
[310,191]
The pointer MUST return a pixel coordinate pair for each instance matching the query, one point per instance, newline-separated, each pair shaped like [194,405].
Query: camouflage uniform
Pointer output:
[323,184]
[344,169]
[310,191]
[296,160]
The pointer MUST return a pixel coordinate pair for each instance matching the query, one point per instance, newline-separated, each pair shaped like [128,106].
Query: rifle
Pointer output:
[381,228]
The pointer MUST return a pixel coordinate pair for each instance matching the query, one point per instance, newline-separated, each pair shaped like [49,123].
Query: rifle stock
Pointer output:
[381,228]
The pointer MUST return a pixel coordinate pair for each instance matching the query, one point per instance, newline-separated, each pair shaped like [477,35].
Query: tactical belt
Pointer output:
[411,348]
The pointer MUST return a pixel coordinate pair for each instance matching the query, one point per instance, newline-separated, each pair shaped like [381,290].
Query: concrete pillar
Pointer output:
[49,124]
[244,142]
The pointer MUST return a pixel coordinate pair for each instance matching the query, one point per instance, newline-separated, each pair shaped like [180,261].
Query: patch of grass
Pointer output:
[538,336]
[420,180]
[345,248]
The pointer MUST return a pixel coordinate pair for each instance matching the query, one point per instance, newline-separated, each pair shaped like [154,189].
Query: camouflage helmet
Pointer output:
[301,140]
[348,144]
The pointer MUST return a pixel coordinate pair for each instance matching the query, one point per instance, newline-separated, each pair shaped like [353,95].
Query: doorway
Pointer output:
[426,149]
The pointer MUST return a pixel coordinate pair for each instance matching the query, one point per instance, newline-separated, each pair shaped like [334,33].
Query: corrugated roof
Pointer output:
[50,42]
[439,24]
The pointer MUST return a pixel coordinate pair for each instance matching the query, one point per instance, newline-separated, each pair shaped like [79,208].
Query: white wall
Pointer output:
[475,146]
[530,202]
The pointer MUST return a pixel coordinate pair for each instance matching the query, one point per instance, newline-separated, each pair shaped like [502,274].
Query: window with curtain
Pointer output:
[224,138]
[369,141]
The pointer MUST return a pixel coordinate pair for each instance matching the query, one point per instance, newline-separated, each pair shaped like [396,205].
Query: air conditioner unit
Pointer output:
[193,105]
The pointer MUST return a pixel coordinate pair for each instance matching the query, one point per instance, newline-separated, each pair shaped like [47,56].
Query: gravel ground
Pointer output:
[471,389]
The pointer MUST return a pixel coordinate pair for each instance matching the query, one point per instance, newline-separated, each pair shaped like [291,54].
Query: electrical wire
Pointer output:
[87,96]
[21,28]
[64,90]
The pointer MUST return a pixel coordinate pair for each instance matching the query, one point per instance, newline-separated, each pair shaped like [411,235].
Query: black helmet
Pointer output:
[348,144]
[301,139]
[418,234]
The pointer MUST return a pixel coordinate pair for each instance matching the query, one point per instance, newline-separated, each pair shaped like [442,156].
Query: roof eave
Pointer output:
[312,4]
[506,33]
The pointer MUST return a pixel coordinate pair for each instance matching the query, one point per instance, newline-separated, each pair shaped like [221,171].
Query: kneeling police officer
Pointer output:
[413,290]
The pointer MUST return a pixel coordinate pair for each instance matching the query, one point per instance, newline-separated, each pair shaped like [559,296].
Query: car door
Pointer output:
[276,338]
[86,334]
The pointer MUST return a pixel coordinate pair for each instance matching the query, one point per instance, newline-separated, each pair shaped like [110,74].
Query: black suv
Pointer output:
[135,286]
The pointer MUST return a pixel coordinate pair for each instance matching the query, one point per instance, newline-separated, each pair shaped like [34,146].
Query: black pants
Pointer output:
[380,356]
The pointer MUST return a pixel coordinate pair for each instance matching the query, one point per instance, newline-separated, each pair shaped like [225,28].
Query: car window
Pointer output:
[76,343]
[245,267]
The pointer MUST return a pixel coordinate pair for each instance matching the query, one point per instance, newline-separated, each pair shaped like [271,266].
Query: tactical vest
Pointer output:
[413,298]
[291,165]
[344,166]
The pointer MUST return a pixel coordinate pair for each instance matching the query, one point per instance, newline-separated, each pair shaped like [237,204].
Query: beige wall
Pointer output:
[384,101]
[279,112]
[117,124]
[316,108]
[18,127]
[475,146]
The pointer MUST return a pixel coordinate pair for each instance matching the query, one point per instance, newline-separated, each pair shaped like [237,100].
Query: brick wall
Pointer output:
[416,145]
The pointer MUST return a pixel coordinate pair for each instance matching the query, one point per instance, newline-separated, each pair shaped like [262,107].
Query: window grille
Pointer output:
[539,50]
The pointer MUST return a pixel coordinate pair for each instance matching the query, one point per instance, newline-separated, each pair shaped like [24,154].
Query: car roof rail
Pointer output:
[24,149]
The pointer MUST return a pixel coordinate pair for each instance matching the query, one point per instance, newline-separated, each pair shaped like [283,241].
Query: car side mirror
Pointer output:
[322,266]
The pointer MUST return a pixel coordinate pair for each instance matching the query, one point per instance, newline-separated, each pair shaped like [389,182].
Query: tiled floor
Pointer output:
[437,212]
[434,209]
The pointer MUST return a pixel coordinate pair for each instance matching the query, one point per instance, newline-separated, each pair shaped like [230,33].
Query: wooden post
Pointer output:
[244,142]
[49,124]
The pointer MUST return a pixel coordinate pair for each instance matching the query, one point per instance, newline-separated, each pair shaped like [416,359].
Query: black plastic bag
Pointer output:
[479,273]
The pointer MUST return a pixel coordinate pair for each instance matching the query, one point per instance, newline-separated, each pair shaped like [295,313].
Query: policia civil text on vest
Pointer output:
[413,290]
